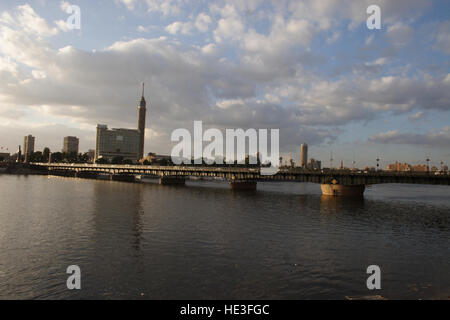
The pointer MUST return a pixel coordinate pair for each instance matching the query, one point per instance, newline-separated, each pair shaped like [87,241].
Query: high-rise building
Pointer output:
[113,143]
[303,155]
[314,164]
[125,143]
[71,144]
[142,110]
[28,146]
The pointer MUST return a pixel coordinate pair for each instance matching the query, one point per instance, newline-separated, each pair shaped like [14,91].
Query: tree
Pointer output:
[83,158]
[101,161]
[117,160]
[45,154]
[57,157]
[35,157]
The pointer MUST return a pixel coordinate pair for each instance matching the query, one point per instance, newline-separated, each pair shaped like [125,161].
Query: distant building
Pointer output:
[4,156]
[155,158]
[399,167]
[303,155]
[420,168]
[113,143]
[314,164]
[125,143]
[142,110]
[28,146]
[71,144]
[91,155]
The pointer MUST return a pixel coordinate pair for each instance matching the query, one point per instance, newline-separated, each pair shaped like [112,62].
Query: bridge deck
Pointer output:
[253,174]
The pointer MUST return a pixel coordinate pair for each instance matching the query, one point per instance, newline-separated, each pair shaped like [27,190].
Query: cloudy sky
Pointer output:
[310,68]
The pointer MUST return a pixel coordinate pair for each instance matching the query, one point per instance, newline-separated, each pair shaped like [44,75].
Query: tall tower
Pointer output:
[142,110]
[303,155]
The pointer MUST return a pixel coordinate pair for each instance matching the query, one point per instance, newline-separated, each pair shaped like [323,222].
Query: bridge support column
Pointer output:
[123,177]
[172,180]
[86,175]
[243,185]
[343,190]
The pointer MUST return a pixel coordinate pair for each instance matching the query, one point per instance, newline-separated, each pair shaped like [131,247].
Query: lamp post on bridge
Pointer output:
[378,164]
[428,165]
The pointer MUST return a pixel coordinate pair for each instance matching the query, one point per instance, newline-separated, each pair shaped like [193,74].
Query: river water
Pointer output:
[204,241]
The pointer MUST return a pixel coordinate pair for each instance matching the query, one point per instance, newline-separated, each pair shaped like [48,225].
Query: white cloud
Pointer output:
[400,35]
[179,27]
[209,49]
[433,138]
[26,19]
[64,5]
[230,26]
[417,116]
[202,22]
[62,25]
[165,7]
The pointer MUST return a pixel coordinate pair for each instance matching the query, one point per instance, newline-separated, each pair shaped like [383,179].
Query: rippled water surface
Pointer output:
[203,241]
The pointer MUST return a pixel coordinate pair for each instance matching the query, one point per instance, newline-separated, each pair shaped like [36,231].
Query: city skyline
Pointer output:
[324,79]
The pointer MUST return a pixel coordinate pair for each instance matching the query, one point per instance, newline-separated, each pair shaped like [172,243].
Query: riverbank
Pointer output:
[21,169]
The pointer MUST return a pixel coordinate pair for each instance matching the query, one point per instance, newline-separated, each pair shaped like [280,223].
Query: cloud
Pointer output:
[443,37]
[400,35]
[230,26]
[27,20]
[179,27]
[165,7]
[417,116]
[434,138]
[64,5]
[202,22]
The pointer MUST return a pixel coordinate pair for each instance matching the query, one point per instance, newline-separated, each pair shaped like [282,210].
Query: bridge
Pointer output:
[333,182]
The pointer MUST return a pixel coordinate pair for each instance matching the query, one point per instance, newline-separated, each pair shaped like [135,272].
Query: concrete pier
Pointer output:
[87,175]
[63,173]
[343,190]
[243,185]
[123,177]
[172,180]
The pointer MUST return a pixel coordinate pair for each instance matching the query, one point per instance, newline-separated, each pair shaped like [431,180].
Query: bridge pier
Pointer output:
[339,190]
[172,180]
[123,177]
[63,173]
[86,175]
[243,185]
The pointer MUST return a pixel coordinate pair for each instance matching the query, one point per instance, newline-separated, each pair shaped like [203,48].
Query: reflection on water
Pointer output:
[202,241]
[334,205]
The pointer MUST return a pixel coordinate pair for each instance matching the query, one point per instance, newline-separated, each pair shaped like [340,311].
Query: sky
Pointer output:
[309,68]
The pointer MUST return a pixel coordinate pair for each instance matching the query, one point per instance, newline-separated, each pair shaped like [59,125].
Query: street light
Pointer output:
[331,160]
[428,164]
[378,164]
